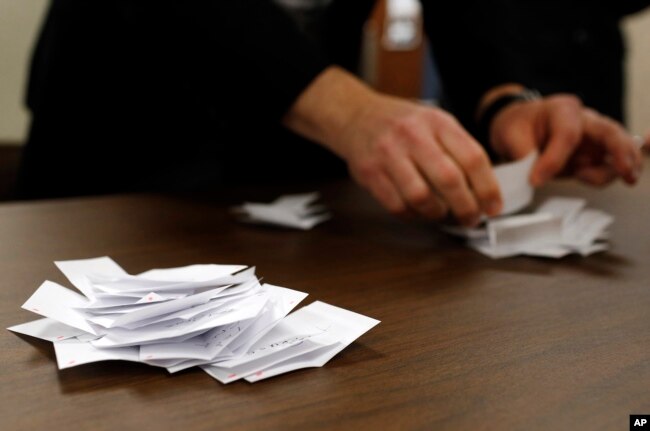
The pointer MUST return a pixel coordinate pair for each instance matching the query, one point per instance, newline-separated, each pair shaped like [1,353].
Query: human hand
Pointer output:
[416,159]
[573,140]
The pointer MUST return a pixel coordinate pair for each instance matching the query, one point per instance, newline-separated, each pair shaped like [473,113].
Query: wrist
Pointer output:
[495,93]
[328,107]
[495,102]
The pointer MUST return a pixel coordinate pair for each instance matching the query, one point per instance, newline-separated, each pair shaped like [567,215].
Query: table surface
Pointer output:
[465,342]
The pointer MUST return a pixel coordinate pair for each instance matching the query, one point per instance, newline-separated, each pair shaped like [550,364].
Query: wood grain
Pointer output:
[465,342]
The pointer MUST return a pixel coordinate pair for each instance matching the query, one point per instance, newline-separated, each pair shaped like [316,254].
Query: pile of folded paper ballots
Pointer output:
[558,227]
[218,317]
[291,211]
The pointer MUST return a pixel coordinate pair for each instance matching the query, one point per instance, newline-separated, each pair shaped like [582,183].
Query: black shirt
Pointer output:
[178,94]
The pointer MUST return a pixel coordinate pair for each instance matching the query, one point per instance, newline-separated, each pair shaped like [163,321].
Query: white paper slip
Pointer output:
[292,211]
[70,353]
[167,307]
[298,203]
[212,343]
[77,270]
[58,303]
[524,231]
[563,207]
[309,329]
[274,354]
[587,227]
[558,227]
[177,318]
[47,329]
[192,272]
[314,359]
[132,284]
[513,179]
[283,301]
[205,347]
[116,336]
[588,250]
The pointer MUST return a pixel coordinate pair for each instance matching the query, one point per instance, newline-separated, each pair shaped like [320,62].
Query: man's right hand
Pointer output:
[414,159]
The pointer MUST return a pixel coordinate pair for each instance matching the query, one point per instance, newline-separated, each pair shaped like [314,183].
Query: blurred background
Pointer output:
[393,61]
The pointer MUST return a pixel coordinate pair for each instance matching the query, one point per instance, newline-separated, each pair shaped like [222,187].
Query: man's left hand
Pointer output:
[572,139]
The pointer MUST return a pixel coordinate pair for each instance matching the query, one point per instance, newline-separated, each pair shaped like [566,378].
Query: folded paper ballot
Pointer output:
[318,327]
[513,182]
[218,317]
[293,211]
[558,227]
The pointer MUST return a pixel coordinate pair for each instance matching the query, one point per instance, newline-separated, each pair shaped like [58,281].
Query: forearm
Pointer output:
[329,105]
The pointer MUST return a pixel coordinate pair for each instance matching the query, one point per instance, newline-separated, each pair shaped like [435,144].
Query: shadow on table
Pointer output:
[608,265]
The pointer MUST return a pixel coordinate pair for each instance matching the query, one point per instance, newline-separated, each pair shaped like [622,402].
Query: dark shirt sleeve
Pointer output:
[253,47]
[244,54]
[464,56]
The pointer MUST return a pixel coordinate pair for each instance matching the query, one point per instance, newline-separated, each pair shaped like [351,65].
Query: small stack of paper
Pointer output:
[293,211]
[557,228]
[219,317]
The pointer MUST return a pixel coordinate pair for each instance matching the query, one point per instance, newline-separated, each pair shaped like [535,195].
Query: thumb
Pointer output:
[564,128]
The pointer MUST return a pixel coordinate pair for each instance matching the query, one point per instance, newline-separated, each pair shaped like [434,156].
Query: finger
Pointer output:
[414,189]
[564,124]
[620,146]
[598,176]
[383,190]
[449,180]
[475,163]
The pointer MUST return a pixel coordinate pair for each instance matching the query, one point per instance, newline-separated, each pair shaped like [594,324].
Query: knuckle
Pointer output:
[444,116]
[385,148]
[449,177]
[476,159]
[405,125]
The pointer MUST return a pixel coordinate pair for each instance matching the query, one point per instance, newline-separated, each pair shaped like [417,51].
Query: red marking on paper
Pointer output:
[259,373]
[232,376]
[71,362]
[60,337]
[150,298]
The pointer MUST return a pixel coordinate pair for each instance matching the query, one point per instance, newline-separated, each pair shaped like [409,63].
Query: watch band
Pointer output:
[485,121]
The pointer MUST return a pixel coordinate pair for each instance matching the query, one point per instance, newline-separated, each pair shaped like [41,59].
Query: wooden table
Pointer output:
[465,342]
